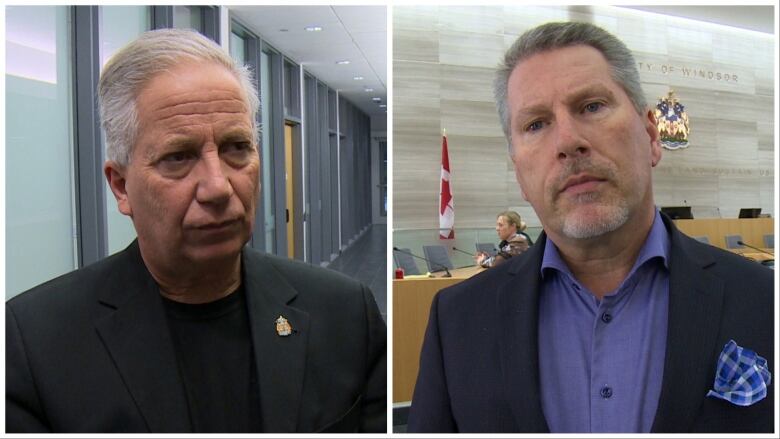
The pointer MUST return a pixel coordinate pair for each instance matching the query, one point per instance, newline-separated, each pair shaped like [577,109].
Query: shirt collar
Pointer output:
[657,245]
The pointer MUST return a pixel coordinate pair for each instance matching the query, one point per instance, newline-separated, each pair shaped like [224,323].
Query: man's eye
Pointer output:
[593,107]
[236,153]
[178,157]
[236,147]
[535,126]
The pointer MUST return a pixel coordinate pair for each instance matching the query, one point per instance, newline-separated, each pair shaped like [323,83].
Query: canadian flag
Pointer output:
[446,205]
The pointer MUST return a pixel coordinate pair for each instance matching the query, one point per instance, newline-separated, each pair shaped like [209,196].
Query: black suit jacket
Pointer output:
[91,351]
[479,366]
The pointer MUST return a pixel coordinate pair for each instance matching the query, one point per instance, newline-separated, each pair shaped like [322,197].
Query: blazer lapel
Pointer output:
[695,302]
[280,360]
[518,305]
[137,338]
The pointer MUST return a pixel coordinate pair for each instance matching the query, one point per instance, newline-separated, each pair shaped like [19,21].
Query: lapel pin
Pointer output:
[283,327]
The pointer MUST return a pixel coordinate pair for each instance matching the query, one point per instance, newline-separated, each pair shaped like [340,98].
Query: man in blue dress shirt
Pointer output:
[616,322]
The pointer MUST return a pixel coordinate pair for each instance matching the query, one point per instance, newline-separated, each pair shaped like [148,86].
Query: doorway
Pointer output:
[290,190]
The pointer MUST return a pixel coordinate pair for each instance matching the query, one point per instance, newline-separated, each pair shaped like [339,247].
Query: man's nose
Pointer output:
[213,185]
[569,141]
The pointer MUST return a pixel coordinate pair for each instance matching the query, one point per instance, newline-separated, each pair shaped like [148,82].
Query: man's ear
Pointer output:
[651,126]
[117,181]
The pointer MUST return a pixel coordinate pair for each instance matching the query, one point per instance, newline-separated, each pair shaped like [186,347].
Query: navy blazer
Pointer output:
[90,351]
[479,365]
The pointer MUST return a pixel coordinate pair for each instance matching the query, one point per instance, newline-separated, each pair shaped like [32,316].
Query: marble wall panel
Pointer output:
[696,190]
[415,45]
[766,136]
[664,186]
[767,194]
[730,47]
[520,18]
[467,83]
[415,79]
[470,118]
[473,19]
[743,108]
[688,44]
[641,34]
[737,192]
[417,17]
[470,49]
[737,147]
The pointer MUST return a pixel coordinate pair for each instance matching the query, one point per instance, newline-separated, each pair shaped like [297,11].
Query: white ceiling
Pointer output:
[757,18]
[354,33]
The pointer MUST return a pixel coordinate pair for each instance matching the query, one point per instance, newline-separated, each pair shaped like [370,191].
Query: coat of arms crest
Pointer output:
[672,122]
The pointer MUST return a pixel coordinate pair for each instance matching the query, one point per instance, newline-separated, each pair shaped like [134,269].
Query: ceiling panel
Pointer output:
[355,33]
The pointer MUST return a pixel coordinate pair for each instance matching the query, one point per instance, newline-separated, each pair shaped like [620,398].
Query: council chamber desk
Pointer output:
[412,299]
[752,230]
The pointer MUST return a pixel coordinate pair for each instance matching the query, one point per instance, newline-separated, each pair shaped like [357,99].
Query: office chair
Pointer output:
[702,239]
[405,261]
[487,247]
[437,257]
[731,241]
[769,241]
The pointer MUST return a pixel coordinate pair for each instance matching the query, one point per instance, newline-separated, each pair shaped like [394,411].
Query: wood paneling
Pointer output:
[752,230]
[411,303]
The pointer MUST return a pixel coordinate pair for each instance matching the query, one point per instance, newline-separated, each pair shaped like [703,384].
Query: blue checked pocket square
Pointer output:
[742,376]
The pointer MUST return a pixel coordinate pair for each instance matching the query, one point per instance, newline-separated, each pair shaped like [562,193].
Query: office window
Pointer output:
[237,48]
[188,17]
[118,26]
[266,153]
[383,177]
[40,200]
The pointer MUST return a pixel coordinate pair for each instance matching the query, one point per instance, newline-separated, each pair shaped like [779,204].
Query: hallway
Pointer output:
[366,261]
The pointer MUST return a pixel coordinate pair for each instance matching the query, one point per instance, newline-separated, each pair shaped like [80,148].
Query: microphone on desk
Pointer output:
[448,274]
[769,262]
[463,251]
[755,248]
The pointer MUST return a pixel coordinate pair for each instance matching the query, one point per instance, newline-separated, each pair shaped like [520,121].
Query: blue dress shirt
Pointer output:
[601,361]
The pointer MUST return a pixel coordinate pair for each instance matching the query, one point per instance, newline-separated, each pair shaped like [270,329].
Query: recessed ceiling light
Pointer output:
[376,99]
[357,78]
[343,62]
[382,105]
[369,90]
[313,28]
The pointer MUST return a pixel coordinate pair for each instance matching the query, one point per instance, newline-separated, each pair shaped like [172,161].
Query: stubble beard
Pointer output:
[598,220]
[594,213]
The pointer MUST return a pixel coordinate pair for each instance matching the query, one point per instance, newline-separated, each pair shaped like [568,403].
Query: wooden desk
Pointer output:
[411,304]
[752,230]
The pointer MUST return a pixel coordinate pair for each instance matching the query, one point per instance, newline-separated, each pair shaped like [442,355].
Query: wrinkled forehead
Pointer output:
[207,91]
[563,67]
[187,77]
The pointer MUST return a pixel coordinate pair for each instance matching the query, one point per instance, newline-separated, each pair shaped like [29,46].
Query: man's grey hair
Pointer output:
[552,36]
[131,68]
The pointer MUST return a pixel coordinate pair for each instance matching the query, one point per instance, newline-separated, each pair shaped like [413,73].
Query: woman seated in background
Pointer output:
[510,229]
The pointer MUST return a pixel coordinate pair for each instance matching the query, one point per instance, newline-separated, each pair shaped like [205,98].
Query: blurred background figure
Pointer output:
[510,229]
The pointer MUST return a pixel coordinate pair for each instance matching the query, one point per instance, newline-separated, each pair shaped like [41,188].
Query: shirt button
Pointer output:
[606,392]
[606,317]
